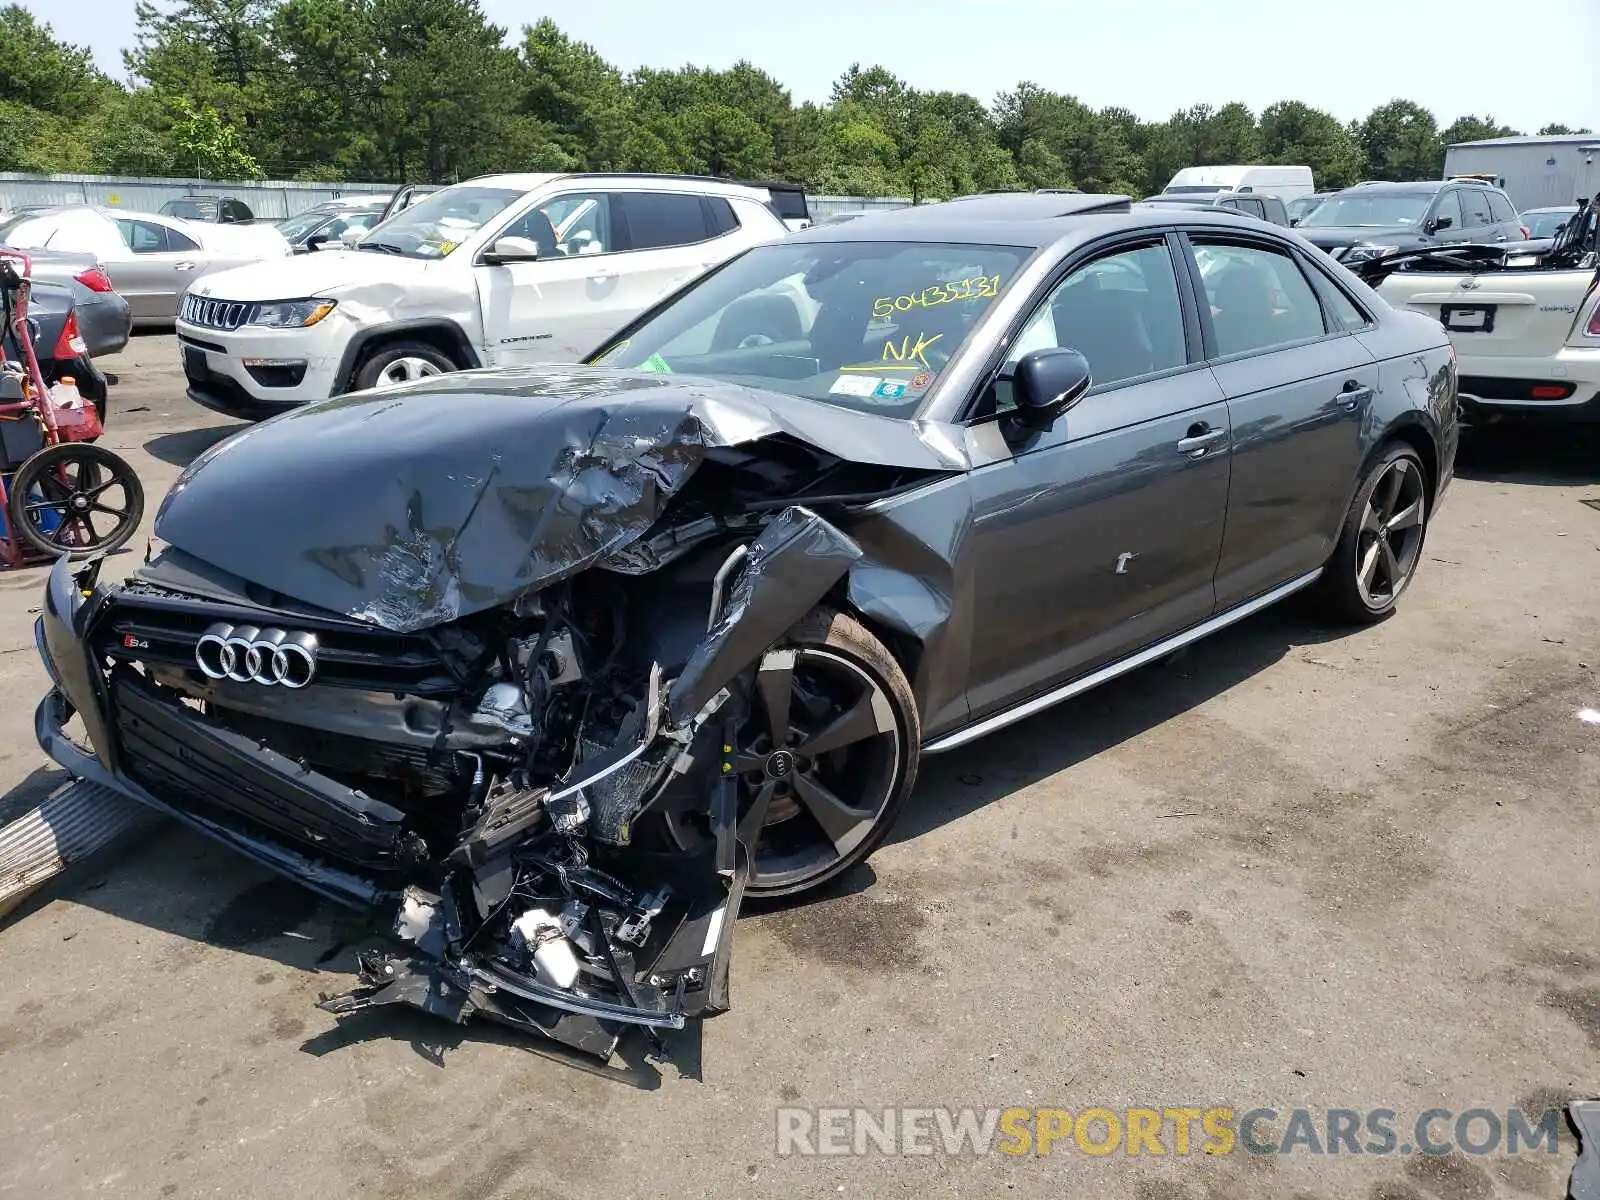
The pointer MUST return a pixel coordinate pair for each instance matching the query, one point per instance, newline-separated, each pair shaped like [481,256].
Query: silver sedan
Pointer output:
[151,259]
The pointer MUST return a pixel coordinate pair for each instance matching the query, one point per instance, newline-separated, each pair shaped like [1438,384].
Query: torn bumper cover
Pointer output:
[536,906]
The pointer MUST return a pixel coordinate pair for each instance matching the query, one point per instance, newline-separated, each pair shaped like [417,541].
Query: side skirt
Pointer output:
[1122,666]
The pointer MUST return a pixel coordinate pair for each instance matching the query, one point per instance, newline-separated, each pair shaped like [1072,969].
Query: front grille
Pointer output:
[216,314]
[211,772]
[163,628]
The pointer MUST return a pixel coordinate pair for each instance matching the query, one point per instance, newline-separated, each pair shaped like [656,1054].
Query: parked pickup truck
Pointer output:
[1526,327]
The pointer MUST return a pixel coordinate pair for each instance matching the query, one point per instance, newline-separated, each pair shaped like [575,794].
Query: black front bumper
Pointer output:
[166,756]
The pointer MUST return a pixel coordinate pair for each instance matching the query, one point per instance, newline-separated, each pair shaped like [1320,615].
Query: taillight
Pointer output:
[71,344]
[95,280]
[1551,391]
[1594,322]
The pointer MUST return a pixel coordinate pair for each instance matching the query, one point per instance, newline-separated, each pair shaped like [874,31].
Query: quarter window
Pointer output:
[1258,298]
[178,242]
[1501,208]
[656,220]
[1121,312]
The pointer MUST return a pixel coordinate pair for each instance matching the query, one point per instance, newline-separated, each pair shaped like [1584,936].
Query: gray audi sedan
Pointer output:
[557,679]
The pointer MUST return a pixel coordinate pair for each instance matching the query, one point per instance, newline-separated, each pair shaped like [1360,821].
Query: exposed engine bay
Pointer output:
[532,788]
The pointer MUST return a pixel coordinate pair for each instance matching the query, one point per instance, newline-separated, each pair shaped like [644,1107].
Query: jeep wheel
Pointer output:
[400,362]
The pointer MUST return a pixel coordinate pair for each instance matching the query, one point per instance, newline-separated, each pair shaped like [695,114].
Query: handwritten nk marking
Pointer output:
[914,355]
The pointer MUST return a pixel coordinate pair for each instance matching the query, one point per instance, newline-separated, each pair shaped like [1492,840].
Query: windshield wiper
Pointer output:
[385,247]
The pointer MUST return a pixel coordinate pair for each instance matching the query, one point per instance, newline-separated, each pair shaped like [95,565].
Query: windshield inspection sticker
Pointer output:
[889,389]
[855,385]
[655,363]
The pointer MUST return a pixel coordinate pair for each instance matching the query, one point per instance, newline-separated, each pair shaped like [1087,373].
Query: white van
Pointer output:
[1286,183]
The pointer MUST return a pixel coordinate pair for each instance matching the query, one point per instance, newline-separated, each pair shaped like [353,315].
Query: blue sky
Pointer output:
[1151,56]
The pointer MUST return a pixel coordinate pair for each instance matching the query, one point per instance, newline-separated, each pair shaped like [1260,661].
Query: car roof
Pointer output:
[528,182]
[1419,187]
[1016,219]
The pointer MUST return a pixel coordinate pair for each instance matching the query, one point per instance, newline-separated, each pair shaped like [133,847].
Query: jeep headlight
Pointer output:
[291,314]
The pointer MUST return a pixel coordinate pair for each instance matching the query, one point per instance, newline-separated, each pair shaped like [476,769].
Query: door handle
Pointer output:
[1353,395]
[1201,438]
[184,266]
[602,276]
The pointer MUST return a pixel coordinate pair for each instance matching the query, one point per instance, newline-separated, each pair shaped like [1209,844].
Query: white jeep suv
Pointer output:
[497,271]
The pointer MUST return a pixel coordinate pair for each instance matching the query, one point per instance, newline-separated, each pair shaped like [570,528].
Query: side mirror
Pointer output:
[1046,384]
[317,240]
[511,250]
[1441,223]
[1293,221]
[351,236]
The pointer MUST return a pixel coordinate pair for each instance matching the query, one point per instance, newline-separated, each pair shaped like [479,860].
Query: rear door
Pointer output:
[1480,217]
[1102,534]
[1298,384]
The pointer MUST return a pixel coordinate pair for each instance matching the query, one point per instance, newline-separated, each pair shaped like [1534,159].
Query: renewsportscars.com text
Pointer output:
[1099,1131]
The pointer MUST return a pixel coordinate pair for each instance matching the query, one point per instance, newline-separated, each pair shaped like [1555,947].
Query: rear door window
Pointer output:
[1258,297]
[1501,209]
[657,220]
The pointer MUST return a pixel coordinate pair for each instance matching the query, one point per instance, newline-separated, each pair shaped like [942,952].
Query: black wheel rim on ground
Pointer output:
[823,751]
[94,498]
[1390,540]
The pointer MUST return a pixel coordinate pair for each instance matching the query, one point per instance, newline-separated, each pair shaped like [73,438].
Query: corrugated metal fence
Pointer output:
[266,198]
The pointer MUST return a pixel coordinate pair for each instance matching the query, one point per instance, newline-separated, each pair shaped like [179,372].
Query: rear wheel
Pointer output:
[401,362]
[1380,545]
[831,750]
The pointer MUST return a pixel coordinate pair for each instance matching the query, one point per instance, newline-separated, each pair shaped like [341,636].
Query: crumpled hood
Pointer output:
[412,506]
[298,276]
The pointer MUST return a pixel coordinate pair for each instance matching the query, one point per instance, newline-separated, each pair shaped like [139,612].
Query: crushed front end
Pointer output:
[488,788]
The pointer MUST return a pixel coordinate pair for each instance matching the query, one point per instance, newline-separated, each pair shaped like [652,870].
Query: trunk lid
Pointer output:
[1497,314]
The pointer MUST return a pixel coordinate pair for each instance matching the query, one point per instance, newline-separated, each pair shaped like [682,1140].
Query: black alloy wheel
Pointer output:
[828,753]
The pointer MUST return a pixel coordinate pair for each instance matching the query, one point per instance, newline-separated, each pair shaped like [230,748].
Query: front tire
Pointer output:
[830,746]
[1380,544]
[400,362]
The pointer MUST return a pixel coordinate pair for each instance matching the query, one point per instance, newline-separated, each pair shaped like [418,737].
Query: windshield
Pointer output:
[1546,224]
[1380,210]
[863,325]
[1304,206]
[191,210]
[433,227]
[298,226]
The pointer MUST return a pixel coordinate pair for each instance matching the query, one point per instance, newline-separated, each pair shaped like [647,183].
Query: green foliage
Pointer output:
[430,90]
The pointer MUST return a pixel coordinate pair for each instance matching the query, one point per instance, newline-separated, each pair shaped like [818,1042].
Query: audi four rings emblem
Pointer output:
[246,654]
